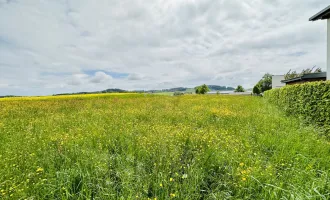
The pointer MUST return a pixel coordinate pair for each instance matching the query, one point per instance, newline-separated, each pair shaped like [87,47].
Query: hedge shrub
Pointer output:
[310,100]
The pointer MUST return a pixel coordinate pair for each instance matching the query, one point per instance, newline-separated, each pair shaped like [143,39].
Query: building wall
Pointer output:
[276,81]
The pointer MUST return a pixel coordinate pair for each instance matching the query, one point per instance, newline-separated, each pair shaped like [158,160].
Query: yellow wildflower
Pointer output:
[172,195]
[40,170]
[243,179]
[171,179]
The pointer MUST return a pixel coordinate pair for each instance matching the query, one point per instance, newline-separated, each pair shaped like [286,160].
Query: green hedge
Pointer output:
[310,100]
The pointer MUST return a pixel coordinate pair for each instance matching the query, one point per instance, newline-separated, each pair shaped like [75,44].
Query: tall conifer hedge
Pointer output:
[310,100]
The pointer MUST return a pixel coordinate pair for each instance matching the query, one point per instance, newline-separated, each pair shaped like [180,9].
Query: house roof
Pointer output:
[323,14]
[320,75]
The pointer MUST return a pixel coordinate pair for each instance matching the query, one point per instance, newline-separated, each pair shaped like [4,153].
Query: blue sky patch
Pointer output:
[298,54]
[116,75]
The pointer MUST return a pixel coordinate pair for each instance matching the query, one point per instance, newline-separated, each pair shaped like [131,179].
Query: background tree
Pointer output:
[203,89]
[256,89]
[264,84]
[239,89]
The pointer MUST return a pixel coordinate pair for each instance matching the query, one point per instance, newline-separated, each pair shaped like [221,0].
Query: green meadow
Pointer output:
[137,146]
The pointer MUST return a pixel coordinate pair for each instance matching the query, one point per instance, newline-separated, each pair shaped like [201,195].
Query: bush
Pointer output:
[256,90]
[264,84]
[203,89]
[178,93]
[310,100]
[239,89]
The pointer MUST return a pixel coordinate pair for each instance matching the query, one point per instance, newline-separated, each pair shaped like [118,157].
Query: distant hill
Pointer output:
[177,89]
[184,89]
[220,88]
[8,96]
[112,90]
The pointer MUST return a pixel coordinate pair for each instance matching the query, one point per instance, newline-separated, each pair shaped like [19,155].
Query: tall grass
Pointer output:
[158,147]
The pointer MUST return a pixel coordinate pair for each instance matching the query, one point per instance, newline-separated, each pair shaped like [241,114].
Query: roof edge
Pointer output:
[306,76]
[292,79]
[320,14]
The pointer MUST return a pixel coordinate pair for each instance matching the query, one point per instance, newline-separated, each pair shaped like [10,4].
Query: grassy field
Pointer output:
[164,93]
[137,146]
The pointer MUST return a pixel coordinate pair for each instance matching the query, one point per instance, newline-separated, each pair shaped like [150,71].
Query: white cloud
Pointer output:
[100,77]
[77,79]
[135,77]
[3,85]
[48,46]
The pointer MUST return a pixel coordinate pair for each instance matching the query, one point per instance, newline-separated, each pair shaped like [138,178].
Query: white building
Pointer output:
[276,81]
[325,14]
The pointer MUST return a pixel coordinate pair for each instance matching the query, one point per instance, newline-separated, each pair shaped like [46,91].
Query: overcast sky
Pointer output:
[49,46]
